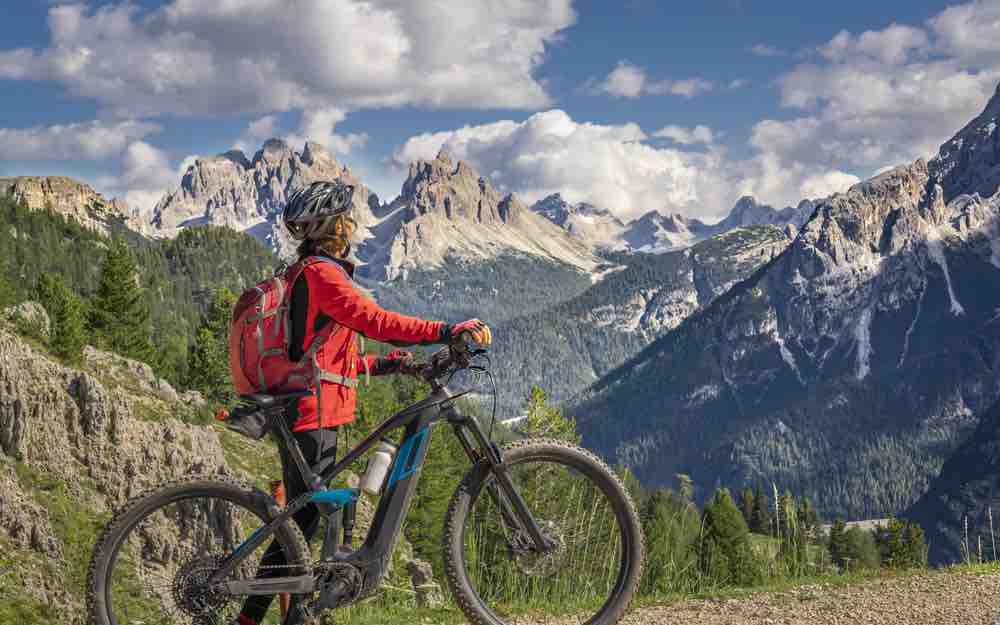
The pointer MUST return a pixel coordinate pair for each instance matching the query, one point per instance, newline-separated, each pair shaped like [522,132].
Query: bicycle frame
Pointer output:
[373,556]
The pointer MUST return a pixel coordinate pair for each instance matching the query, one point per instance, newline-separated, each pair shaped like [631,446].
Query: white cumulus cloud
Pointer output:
[882,97]
[79,141]
[196,57]
[610,166]
[630,81]
[686,136]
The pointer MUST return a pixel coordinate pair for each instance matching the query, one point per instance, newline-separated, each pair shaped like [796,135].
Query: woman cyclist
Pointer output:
[319,216]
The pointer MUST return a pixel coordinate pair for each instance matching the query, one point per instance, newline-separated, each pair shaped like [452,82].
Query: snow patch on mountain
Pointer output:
[863,336]
[788,356]
[936,254]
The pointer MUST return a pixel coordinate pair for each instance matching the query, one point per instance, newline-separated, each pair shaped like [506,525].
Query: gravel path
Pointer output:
[933,598]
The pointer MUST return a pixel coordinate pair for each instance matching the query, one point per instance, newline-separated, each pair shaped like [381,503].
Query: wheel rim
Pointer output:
[157,571]
[576,582]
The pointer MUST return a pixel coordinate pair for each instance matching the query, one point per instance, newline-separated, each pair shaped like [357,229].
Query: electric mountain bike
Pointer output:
[534,524]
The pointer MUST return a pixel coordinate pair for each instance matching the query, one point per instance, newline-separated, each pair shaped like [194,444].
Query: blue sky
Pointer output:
[795,99]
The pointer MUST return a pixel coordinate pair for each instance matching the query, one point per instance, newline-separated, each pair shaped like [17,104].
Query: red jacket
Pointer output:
[331,293]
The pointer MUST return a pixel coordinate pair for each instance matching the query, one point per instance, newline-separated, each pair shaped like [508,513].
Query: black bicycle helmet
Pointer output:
[311,211]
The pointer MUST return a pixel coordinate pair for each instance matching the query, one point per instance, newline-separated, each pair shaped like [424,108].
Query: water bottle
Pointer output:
[378,465]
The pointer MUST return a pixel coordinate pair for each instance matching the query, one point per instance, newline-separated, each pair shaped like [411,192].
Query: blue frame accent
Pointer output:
[338,497]
[246,543]
[410,447]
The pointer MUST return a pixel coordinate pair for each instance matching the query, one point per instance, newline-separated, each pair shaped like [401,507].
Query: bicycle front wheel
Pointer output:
[579,504]
[151,565]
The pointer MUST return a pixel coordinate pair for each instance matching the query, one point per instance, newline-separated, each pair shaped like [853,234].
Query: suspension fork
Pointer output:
[513,509]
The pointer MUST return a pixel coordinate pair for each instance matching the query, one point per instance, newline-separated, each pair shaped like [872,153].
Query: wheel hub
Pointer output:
[535,564]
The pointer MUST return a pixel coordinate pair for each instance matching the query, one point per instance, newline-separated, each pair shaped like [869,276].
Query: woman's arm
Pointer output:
[339,299]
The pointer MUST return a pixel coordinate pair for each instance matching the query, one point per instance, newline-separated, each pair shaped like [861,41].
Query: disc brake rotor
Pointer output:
[534,564]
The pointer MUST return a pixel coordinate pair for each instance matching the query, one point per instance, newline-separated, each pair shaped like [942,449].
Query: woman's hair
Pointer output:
[336,243]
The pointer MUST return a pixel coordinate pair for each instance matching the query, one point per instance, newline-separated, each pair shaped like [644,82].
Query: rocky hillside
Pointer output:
[849,367]
[569,345]
[248,194]
[68,197]
[77,443]
[966,491]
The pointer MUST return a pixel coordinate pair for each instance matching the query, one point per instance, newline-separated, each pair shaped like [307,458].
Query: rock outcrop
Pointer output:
[69,197]
[77,444]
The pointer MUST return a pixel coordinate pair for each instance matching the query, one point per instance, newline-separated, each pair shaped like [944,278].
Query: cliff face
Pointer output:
[73,446]
[66,196]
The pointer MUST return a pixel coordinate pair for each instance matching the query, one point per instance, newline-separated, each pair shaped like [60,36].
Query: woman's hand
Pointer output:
[393,362]
[479,331]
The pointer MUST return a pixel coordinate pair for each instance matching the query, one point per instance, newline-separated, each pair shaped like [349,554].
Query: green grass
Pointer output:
[16,602]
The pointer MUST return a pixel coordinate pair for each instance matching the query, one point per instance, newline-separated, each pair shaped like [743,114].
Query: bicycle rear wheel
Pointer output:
[580,504]
[152,561]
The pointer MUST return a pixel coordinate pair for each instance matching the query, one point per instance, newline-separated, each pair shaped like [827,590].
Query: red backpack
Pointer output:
[258,340]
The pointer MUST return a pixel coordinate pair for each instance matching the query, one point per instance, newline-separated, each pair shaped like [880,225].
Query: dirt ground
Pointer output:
[933,598]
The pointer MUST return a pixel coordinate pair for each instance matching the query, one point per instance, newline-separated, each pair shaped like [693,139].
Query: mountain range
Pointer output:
[850,366]
[843,348]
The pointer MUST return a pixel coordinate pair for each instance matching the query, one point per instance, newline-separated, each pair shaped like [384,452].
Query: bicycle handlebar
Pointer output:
[455,354]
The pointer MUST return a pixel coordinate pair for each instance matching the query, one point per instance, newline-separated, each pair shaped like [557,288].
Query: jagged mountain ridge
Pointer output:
[446,209]
[248,194]
[655,232]
[850,366]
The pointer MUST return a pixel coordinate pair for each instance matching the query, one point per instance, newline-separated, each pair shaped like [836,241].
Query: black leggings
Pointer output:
[255,607]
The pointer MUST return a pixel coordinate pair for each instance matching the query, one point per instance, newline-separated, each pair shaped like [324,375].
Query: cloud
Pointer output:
[881,97]
[611,166]
[88,141]
[630,81]
[686,136]
[194,57]
[970,32]
[318,125]
[763,49]
[146,175]
[739,83]
[826,184]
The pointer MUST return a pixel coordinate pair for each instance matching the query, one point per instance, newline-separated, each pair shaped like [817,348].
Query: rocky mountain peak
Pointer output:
[452,191]
[230,190]
[969,163]
[273,150]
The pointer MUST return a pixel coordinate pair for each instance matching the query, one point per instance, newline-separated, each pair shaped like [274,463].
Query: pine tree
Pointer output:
[746,506]
[860,547]
[837,544]
[761,513]
[546,420]
[65,309]
[208,360]
[120,314]
[724,552]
